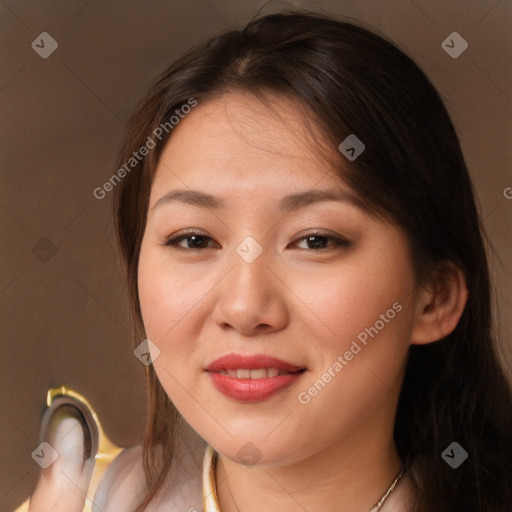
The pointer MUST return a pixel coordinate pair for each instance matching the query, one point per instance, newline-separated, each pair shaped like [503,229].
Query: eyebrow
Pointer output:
[291,202]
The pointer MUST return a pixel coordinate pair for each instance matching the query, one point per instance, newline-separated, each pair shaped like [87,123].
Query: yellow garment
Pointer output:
[210,500]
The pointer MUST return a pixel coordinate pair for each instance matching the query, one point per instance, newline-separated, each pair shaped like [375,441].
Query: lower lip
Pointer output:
[252,390]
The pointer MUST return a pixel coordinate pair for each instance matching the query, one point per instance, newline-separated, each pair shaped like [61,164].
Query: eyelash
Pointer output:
[337,242]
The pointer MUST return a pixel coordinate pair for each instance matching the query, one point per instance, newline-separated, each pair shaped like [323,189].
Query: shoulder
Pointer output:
[122,485]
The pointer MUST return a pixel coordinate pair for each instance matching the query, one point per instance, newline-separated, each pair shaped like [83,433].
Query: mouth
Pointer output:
[258,373]
[252,362]
[252,378]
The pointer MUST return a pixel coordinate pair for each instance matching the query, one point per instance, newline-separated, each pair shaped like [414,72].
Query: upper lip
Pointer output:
[250,362]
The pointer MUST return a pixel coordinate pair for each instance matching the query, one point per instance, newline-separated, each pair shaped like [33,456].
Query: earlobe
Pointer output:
[440,306]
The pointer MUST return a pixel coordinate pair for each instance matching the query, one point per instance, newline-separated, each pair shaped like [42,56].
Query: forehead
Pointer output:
[242,141]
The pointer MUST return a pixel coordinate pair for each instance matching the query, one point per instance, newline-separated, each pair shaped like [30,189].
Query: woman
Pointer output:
[304,253]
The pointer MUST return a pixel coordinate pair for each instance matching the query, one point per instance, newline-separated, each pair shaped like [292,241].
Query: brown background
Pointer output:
[64,320]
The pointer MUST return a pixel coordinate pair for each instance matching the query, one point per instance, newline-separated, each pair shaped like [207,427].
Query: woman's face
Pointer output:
[261,266]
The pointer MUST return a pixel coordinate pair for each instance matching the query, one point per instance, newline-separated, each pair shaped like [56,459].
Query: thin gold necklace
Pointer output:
[211,501]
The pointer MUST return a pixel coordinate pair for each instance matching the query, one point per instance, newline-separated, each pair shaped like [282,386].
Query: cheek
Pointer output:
[347,301]
[369,312]
[366,312]
[167,299]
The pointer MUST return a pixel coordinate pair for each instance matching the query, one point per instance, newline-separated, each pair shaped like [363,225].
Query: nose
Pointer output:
[251,299]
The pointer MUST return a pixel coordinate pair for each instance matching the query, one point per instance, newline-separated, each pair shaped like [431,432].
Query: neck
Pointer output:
[355,472]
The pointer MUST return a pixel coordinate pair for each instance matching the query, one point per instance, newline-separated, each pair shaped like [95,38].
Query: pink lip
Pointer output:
[251,362]
[251,390]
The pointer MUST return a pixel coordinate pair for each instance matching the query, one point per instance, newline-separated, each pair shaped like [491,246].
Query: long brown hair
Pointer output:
[353,81]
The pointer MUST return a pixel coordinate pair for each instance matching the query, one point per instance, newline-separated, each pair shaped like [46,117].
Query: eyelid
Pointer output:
[336,237]
[187,231]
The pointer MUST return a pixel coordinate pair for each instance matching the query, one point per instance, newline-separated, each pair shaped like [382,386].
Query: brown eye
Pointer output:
[192,240]
[318,241]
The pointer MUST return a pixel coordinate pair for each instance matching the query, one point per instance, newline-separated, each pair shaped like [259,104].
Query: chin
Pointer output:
[256,450]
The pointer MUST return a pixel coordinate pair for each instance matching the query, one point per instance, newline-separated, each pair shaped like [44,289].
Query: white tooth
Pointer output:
[223,372]
[232,373]
[272,372]
[243,373]
[260,373]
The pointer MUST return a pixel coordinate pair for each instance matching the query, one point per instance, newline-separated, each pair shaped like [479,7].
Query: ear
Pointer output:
[439,306]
